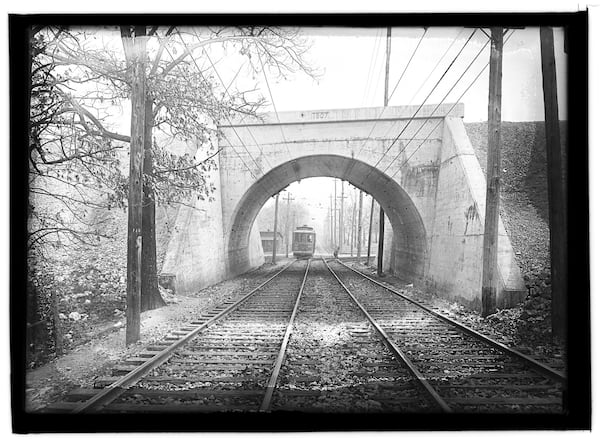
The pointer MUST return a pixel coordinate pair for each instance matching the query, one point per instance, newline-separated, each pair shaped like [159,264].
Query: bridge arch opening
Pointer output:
[409,248]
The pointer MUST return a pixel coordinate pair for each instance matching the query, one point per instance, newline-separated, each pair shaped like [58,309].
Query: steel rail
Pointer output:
[396,350]
[266,403]
[114,390]
[536,365]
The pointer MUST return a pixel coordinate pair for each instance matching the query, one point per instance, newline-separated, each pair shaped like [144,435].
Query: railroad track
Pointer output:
[222,362]
[338,362]
[333,340]
[468,371]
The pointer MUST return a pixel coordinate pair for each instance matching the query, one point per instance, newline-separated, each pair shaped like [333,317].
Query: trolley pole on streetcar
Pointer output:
[492,199]
[273,260]
[385,104]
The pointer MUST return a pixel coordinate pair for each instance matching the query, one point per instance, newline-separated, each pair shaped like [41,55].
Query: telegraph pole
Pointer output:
[492,199]
[135,50]
[385,104]
[353,227]
[370,232]
[287,224]
[342,217]
[556,186]
[334,212]
[359,227]
[331,228]
[275,229]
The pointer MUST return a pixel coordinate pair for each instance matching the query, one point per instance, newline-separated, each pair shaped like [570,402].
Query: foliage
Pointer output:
[79,158]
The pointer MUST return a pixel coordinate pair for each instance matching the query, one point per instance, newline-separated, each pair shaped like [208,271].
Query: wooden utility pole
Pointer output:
[342,218]
[331,221]
[385,104]
[334,212]
[492,199]
[556,159]
[273,260]
[287,224]
[370,232]
[359,227]
[353,226]
[135,51]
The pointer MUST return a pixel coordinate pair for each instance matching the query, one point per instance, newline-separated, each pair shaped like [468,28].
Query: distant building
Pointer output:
[266,238]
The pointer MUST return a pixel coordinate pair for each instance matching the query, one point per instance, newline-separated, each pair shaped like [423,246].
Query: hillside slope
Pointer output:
[524,210]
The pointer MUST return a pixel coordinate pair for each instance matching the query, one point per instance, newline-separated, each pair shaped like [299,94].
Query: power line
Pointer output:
[277,114]
[201,75]
[227,91]
[391,95]
[436,65]
[423,103]
[371,64]
[409,60]
[450,110]
[230,122]
[437,107]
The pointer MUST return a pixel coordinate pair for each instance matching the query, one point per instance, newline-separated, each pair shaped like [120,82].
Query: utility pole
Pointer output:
[370,232]
[287,224]
[359,227]
[353,227]
[492,199]
[556,187]
[334,212]
[275,229]
[342,218]
[135,51]
[385,104]
[330,220]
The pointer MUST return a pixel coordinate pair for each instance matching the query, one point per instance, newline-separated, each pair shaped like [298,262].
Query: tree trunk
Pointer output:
[151,297]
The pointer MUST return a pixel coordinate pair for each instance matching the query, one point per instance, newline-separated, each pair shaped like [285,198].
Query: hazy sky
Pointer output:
[352,62]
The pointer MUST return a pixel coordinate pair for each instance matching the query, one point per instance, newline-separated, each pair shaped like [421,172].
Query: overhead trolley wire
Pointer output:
[372,62]
[422,104]
[436,65]
[231,123]
[228,119]
[273,102]
[392,94]
[437,106]
[277,116]
[408,64]
[453,106]
[200,72]
[227,91]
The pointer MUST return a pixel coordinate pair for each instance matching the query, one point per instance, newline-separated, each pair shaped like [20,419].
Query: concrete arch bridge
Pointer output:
[429,183]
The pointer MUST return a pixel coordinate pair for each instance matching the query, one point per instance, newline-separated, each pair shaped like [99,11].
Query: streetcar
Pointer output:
[303,242]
